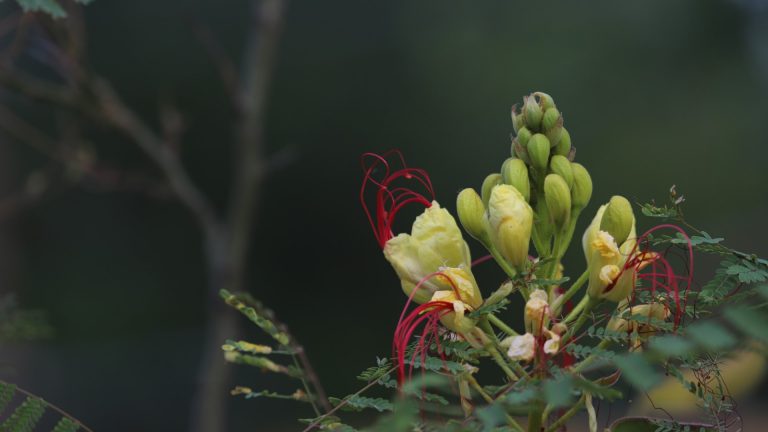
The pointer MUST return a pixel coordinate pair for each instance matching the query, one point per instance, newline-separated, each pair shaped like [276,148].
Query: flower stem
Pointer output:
[554,427]
[589,304]
[476,385]
[571,291]
[534,420]
[511,272]
[501,325]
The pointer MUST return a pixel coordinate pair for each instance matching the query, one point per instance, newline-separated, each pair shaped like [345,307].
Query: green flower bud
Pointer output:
[520,151]
[515,173]
[563,146]
[511,221]
[538,151]
[545,101]
[554,128]
[561,166]
[517,119]
[471,213]
[558,198]
[550,119]
[532,113]
[488,184]
[581,191]
[618,219]
[524,135]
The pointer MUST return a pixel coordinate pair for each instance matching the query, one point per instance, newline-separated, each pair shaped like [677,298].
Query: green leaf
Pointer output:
[26,416]
[51,7]
[671,346]
[710,335]
[383,366]
[762,290]
[489,308]
[648,424]
[6,394]
[491,416]
[747,272]
[401,419]
[359,403]
[748,321]
[559,392]
[66,425]
[637,371]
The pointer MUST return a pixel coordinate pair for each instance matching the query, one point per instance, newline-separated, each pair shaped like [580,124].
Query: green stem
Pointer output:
[554,427]
[576,310]
[501,363]
[511,272]
[605,343]
[586,309]
[571,291]
[501,325]
[476,385]
[534,420]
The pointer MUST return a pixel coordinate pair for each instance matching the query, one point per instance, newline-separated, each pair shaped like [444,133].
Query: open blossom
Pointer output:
[435,242]
[521,348]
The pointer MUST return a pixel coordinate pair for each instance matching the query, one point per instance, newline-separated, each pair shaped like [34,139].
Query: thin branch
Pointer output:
[118,115]
[52,406]
[343,403]
[258,63]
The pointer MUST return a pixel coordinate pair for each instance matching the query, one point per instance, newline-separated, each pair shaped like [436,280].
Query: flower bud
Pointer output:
[488,184]
[435,241]
[511,220]
[581,191]
[515,173]
[520,151]
[561,166]
[538,151]
[553,128]
[536,311]
[523,136]
[558,198]
[563,147]
[618,219]
[545,101]
[517,119]
[521,348]
[550,119]
[471,212]
[532,113]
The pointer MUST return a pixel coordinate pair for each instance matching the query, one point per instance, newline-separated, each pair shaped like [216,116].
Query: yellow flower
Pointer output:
[435,242]
[455,321]
[511,219]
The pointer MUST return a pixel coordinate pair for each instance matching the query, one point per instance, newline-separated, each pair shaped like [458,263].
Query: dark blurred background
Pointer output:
[654,93]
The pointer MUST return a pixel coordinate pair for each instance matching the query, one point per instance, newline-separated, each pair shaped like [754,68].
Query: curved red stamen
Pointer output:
[428,314]
[655,268]
[390,197]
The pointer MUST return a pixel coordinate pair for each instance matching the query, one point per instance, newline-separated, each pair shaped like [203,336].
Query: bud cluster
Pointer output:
[543,146]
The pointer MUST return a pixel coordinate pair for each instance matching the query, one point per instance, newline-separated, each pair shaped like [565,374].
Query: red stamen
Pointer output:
[661,274]
[428,314]
[389,199]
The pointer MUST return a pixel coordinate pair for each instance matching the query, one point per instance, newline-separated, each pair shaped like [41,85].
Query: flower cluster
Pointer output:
[525,215]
